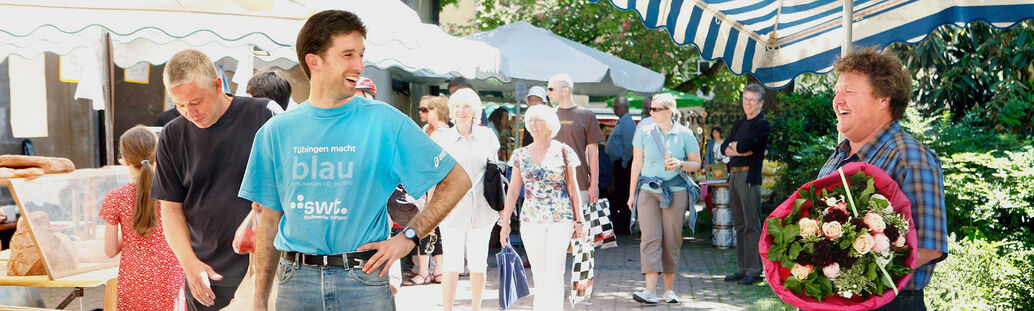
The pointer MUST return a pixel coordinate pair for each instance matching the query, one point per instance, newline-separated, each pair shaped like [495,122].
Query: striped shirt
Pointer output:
[917,170]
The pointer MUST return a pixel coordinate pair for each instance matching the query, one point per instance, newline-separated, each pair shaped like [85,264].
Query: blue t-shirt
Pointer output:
[331,172]
[679,142]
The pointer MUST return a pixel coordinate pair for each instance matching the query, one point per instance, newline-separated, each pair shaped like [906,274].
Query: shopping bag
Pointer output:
[244,237]
[513,283]
[581,270]
[601,229]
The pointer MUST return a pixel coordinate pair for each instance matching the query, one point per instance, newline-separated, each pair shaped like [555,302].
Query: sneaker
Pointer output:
[671,297]
[645,296]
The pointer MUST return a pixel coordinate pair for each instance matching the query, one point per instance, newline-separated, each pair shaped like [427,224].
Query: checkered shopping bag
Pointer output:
[600,228]
[581,270]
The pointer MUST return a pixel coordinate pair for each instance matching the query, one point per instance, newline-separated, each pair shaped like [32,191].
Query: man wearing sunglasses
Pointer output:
[580,130]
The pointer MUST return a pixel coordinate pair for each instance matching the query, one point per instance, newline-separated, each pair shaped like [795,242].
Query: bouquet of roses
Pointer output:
[831,247]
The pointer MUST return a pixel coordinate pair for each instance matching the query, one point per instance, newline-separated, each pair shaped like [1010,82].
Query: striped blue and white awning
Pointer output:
[776,40]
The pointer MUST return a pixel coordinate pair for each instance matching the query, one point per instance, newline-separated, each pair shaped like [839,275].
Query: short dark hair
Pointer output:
[719,129]
[314,38]
[460,82]
[756,88]
[270,85]
[886,74]
[621,100]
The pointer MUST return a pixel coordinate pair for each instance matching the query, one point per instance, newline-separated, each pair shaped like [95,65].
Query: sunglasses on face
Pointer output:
[423,109]
[655,109]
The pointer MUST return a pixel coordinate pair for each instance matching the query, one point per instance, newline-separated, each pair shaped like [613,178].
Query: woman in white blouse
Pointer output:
[468,227]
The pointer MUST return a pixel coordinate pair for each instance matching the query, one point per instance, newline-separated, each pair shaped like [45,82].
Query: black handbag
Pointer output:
[495,184]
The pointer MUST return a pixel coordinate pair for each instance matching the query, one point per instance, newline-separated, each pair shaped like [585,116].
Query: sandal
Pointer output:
[437,278]
[412,281]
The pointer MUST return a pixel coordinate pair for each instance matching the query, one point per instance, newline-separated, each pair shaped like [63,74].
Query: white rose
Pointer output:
[831,201]
[809,227]
[832,271]
[846,294]
[882,243]
[801,272]
[875,222]
[832,230]
[863,244]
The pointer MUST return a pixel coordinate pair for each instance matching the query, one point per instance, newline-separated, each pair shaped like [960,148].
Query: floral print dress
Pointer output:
[545,189]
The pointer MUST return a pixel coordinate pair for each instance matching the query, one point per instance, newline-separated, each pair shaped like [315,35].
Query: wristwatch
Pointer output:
[411,234]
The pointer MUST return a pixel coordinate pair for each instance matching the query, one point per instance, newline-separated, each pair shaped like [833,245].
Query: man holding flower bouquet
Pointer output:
[872,92]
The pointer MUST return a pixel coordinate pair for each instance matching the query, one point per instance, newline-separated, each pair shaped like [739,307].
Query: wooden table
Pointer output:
[77,282]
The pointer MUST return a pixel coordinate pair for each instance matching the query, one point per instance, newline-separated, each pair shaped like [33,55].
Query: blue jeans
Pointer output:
[907,300]
[331,288]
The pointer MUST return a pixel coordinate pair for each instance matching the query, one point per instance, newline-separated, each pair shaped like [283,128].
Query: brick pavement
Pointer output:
[699,284]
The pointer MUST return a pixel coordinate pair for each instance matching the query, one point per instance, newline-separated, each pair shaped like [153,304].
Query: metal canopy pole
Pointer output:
[846,46]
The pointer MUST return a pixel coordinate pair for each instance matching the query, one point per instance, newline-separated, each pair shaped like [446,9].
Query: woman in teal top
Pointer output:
[663,154]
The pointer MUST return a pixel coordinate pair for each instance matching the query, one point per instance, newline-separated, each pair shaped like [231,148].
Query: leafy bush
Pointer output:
[802,137]
[988,178]
[982,275]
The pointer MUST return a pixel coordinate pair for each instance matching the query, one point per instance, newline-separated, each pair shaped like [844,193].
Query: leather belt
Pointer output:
[353,260]
[737,169]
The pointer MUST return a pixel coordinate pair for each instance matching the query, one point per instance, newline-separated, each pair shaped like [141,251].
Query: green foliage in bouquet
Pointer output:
[861,272]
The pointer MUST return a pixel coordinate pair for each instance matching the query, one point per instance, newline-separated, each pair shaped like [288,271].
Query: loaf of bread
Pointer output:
[25,257]
[49,165]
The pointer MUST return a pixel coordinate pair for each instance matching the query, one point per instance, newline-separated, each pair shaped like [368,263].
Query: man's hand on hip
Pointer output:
[388,251]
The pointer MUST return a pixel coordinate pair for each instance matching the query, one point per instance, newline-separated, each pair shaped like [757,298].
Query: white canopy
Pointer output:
[151,31]
[536,54]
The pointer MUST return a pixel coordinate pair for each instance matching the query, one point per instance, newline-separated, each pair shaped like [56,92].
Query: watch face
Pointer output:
[409,232]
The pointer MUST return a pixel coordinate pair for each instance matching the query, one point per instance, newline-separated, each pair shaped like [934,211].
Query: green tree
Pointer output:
[620,33]
[978,69]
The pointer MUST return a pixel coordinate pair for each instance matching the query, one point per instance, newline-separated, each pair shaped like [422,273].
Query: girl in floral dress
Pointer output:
[149,276]
[547,217]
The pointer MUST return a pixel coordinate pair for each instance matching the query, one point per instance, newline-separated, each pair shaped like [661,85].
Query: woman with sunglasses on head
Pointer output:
[434,111]
[437,114]
[468,227]
[552,208]
[662,155]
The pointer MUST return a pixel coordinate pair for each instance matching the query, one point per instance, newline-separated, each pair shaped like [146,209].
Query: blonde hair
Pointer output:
[668,101]
[465,97]
[189,66]
[566,79]
[545,113]
[441,107]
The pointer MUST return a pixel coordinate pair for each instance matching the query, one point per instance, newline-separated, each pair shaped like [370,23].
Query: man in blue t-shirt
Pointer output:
[323,173]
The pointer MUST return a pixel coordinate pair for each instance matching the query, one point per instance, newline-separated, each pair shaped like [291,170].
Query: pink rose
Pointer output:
[863,244]
[900,242]
[832,230]
[809,227]
[801,272]
[875,222]
[881,243]
[832,271]
[842,205]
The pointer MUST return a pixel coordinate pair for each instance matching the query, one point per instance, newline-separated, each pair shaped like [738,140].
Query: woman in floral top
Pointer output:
[547,218]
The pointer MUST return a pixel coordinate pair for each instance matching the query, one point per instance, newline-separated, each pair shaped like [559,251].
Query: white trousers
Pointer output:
[546,246]
[471,242]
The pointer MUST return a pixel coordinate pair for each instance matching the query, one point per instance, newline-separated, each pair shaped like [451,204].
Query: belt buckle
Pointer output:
[360,262]
[325,260]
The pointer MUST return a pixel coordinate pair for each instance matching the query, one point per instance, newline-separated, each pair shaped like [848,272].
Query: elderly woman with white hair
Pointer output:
[552,208]
[663,153]
[467,229]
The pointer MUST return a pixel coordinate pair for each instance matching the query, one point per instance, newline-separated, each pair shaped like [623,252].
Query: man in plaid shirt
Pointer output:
[872,92]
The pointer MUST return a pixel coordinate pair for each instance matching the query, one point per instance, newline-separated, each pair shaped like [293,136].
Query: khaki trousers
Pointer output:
[661,231]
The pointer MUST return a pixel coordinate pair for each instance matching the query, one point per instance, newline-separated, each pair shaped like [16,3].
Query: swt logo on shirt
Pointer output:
[320,209]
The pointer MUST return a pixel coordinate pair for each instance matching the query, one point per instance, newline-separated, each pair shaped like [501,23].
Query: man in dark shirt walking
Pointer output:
[746,149]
